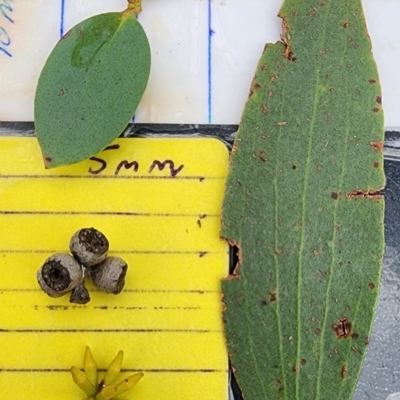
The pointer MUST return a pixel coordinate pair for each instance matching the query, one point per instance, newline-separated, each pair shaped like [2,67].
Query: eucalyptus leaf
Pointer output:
[303,207]
[90,87]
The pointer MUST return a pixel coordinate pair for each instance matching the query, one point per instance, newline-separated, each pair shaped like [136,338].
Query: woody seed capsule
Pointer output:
[89,246]
[109,276]
[80,295]
[59,274]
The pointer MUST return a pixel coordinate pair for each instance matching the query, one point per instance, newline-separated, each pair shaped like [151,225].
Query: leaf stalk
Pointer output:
[135,6]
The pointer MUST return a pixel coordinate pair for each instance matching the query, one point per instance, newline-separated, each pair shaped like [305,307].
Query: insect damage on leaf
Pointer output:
[90,87]
[307,216]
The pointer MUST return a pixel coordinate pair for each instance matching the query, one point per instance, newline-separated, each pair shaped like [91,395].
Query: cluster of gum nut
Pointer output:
[62,273]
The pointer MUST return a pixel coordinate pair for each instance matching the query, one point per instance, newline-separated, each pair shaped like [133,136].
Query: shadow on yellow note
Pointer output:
[158,201]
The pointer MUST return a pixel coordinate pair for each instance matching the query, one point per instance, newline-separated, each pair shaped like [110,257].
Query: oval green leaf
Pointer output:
[303,205]
[90,87]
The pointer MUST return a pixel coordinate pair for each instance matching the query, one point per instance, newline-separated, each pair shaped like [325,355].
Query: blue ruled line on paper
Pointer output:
[210,34]
[62,18]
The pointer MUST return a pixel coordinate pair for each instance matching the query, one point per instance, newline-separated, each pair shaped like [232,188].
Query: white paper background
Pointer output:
[191,81]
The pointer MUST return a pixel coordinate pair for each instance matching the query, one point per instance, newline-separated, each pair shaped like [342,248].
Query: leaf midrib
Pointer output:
[304,195]
[104,47]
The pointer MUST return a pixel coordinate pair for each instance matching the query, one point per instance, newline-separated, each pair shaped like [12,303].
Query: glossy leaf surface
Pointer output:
[302,206]
[90,87]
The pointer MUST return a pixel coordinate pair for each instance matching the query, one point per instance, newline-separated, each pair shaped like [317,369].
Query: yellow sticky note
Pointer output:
[158,201]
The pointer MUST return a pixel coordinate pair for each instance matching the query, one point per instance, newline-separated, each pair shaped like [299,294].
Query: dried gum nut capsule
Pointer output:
[59,274]
[80,295]
[89,246]
[109,276]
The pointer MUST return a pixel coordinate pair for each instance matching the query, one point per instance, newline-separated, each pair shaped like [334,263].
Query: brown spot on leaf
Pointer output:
[264,109]
[378,146]
[371,285]
[66,35]
[254,87]
[317,331]
[371,80]
[295,368]
[277,382]
[355,335]
[375,109]
[379,99]
[62,92]
[303,361]
[294,167]
[48,159]
[282,123]
[334,195]
[336,350]
[285,37]
[315,252]
[346,25]
[80,32]
[331,89]
[344,371]
[260,155]
[272,297]
[290,56]
[342,328]
[366,341]
[376,165]
[263,303]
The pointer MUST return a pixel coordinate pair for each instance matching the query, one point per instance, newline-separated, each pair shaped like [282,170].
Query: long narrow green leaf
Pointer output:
[302,206]
[90,87]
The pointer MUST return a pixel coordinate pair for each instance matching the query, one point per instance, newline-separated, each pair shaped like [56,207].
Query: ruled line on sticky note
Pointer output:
[194,291]
[159,206]
[47,370]
[197,178]
[115,213]
[76,330]
[57,380]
